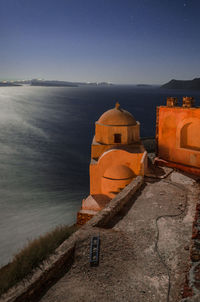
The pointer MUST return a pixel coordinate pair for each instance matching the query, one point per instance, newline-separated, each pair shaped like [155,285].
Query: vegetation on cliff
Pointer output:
[32,255]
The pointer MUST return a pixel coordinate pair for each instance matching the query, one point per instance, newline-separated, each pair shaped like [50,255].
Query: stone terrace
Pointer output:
[144,253]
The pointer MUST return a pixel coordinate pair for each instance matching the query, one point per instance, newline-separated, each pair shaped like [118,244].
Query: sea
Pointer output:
[45,139]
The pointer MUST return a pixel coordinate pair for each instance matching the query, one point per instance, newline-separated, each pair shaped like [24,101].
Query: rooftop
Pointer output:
[117,117]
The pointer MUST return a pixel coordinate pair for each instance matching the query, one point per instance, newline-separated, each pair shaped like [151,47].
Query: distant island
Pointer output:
[51,83]
[54,83]
[143,85]
[10,84]
[36,82]
[179,84]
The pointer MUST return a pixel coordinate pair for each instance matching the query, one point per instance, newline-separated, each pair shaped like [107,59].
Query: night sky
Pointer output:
[120,41]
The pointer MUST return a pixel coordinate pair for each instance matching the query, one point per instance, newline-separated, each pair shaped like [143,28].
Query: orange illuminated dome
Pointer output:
[117,126]
[117,117]
[115,179]
[119,172]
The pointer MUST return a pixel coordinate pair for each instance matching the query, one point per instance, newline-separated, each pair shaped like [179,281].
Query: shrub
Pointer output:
[32,255]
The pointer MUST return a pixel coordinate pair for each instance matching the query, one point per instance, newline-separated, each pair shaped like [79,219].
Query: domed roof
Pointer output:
[119,172]
[117,117]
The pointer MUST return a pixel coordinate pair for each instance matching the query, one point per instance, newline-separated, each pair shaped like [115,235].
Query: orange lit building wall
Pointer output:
[178,137]
[99,181]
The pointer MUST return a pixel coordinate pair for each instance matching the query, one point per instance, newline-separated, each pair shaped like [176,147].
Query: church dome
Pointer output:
[117,117]
[119,172]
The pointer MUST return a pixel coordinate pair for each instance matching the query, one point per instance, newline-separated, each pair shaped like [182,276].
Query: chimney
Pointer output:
[188,102]
[171,102]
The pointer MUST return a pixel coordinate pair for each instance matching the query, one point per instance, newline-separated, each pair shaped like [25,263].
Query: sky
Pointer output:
[118,41]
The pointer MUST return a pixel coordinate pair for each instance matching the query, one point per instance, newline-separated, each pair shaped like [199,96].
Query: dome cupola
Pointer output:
[119,172]
[117,126]
[117,117]
[116,178]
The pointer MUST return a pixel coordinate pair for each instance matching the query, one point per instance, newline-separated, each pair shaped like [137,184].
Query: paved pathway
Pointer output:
[143,257]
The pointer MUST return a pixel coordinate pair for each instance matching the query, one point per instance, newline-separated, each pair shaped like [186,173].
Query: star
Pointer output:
[184,4]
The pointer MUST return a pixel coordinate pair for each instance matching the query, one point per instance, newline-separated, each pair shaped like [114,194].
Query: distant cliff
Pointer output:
[53,83]
[179,84]
[36,82]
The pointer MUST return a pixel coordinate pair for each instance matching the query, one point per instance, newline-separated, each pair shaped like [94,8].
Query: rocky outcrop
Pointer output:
[179,84]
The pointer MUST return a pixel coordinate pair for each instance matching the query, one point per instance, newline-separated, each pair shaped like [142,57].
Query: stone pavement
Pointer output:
[144,255]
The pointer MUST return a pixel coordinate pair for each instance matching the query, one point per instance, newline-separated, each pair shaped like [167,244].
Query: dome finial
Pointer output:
[117,105]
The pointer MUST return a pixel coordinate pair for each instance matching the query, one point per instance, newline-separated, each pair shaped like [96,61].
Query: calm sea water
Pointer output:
[45,137]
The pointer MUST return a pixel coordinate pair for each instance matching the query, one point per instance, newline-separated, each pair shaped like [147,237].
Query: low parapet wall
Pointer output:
[32,288]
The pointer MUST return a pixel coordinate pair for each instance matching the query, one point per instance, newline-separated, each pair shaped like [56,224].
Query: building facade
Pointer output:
[117,157]
[178,135]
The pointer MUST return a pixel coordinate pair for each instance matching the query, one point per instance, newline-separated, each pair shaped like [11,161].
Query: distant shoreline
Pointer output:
[51,83]
[172,84]
[9,85]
